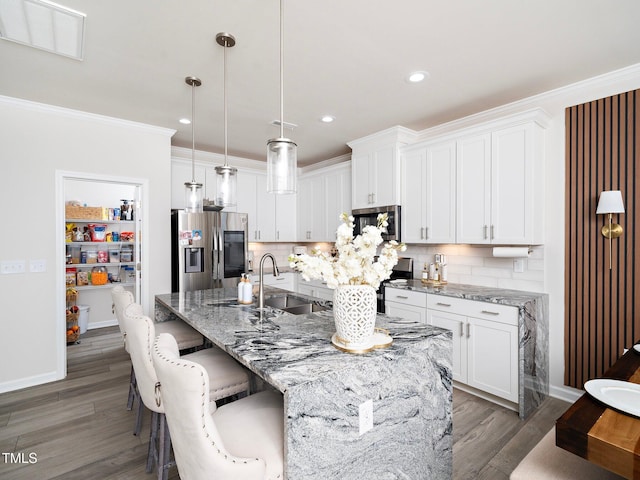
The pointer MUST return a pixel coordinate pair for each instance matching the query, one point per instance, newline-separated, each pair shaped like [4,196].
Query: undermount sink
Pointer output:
[293,304]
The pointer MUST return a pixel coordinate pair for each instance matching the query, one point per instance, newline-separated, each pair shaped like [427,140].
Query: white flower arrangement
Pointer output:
[354,263]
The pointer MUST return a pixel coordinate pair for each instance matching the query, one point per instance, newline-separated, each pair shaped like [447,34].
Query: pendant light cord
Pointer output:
[281,68]
[193,132]
[224,80]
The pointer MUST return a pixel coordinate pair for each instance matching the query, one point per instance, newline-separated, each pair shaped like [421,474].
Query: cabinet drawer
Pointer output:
[472,308]
[406,297]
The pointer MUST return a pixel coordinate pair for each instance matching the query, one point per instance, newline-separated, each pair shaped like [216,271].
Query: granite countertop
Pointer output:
[284,349]
[516,298]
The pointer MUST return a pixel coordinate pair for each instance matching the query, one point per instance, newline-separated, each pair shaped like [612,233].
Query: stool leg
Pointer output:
[132,389]
[164,448]
[152,452]
[139,413]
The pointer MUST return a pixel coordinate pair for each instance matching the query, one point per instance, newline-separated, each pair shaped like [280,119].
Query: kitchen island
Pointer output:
[408,382]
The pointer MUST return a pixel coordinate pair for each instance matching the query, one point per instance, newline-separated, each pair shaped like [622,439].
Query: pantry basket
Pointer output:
[73,330]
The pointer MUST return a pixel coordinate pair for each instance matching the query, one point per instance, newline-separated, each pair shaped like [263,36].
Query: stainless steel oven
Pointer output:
[369,216]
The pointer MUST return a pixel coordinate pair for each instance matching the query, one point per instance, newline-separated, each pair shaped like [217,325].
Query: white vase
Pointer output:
[354,311]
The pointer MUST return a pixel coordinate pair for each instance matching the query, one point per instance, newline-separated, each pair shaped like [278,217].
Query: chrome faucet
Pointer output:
[275,274]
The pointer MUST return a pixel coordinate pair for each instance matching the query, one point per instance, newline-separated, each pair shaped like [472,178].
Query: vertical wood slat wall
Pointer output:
[602,309]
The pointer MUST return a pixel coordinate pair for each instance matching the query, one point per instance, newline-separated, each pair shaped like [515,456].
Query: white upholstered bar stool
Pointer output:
[228,378]
[241,440]
[186,336]
[549,462]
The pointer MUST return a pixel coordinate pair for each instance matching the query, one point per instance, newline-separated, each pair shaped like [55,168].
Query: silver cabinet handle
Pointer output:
[255,234]
[462,329]
[402,297]
[485,232]
[280,278]
[492,237]
[426,233]
[421,233]
[277,234]
[443,304]
[468,330]
[373,196]
[487,312]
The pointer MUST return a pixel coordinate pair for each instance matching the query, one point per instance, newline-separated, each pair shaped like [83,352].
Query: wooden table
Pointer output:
[601,434]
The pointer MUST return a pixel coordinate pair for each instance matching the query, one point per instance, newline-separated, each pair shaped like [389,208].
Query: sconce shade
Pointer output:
[281,166]
[226,183]
[610,202]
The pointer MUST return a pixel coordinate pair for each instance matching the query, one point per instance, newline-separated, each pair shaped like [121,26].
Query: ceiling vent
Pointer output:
[44,25]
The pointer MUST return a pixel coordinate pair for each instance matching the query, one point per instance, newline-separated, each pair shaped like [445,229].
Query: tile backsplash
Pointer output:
[471,265]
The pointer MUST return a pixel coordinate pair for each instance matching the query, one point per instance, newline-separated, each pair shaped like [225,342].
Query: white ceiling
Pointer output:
[347,58]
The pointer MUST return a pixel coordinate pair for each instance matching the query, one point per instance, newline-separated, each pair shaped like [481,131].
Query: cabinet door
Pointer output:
[246,199]
[493,358]
[337,195]
[285,218]
[383,176]
[265,211]
[440,194]
[361,190]
[408,312]
[455,323]
[512,185]
[473,194]
[414,196]
[181,173]
[311,209]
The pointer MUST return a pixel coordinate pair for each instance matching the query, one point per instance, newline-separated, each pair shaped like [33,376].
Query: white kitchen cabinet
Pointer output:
[375,167]
[322,196]
[429,194]
[405,304]
[285,280]
[485,343]
[374,178]
[271,217]
[315,288]
[499,186]
[311,207]
[180,174]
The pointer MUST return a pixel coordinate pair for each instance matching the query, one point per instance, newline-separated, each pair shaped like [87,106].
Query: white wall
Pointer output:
[35,142]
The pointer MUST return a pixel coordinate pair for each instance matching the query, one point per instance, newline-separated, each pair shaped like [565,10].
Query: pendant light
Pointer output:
[227,177]
[281,152]
[193,189]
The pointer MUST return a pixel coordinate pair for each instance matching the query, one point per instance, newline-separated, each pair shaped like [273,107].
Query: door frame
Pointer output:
[61,176]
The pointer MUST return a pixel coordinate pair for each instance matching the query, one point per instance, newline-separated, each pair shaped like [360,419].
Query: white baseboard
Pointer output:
[29,382]
[105,323]
[568,394]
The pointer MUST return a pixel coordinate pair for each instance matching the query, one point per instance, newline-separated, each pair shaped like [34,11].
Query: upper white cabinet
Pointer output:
[429,193]
[322,196]
[500,190]
[375,168]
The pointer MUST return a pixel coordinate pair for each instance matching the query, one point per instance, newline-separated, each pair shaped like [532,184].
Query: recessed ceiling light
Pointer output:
[185,121]
[417,77]
[327,118]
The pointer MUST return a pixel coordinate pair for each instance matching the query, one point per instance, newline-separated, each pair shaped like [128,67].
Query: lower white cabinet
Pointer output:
[485,343]
[286,281]
[405,304]
[315,288]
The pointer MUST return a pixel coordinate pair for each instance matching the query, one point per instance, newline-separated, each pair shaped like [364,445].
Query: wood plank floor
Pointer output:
[79,428]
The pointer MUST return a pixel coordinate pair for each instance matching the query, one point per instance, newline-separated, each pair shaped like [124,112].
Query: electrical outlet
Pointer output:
[12,266]
[518,265]
[37,266]
[366,416]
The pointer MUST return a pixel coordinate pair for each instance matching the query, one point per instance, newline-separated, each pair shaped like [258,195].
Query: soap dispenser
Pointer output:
[247,290]
[241,288]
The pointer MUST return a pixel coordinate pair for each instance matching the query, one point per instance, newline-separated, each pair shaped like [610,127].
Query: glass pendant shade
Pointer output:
[193,197]
[226,182]
[282,159]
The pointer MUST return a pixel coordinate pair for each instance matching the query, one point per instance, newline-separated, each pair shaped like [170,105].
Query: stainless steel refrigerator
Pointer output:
[209,249]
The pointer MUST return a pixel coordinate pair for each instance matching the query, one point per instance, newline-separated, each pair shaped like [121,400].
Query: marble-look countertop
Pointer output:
[409,382]
[533,332]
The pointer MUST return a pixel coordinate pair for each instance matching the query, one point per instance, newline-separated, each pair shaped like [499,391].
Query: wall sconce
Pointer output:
[610,202]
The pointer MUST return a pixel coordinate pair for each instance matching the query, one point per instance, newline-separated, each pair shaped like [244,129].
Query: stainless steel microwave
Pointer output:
[369,216]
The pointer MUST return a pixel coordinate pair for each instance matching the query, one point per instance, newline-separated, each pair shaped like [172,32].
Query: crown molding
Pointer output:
[393,135]
[85,116]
